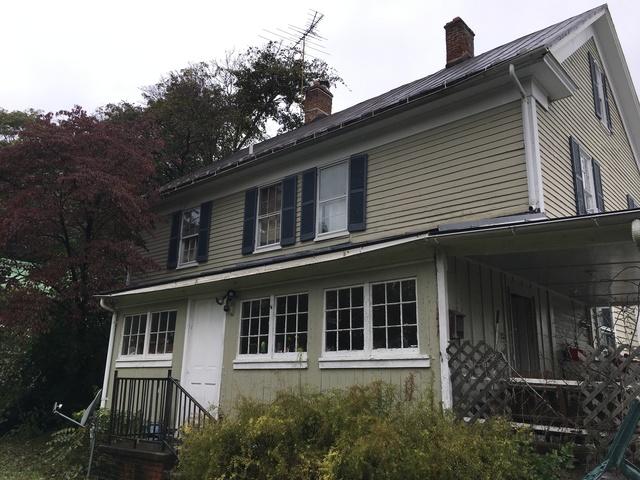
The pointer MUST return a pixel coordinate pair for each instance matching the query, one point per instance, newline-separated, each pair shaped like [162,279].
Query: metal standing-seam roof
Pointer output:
[541,39]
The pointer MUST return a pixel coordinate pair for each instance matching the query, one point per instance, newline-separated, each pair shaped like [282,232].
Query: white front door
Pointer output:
[203,352]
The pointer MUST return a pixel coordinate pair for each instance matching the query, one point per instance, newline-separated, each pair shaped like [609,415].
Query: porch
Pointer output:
[542,325]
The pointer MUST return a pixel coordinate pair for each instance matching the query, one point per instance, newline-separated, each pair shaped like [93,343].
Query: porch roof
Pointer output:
[593,259]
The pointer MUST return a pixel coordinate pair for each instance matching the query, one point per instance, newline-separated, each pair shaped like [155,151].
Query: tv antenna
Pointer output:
[87,417]
[301,39]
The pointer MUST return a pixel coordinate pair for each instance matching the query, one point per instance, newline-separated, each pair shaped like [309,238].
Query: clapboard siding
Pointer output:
[469,169]
[575,116]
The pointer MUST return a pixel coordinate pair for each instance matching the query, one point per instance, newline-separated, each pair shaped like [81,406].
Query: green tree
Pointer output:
[12,123]
[211,109]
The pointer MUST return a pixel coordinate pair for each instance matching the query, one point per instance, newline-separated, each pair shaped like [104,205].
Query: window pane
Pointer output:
[332,320]
[333,181]
[344,298]
[332,299]
[302,322]
[303,302]
[333,215]
[291,323]
[330,342]
[378,294]
[264,307]
[344,319]
[172,320]
[410,337]
[394,337]
[344,340]
[280,323]
[264,325]
[269,207]
[279,345]
[281,305]
[190,222]
[357,318]
[244,345]
[302,342]
[393,314]
[393,292]
[169,345]
[264,344]
[408,290]
[357,340]
[152,342]
[292,303]
[409,314]
[379,315]
[379,338]
[127,325]
[356,296]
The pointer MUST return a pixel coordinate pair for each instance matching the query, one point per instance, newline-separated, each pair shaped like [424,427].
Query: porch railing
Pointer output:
[153,410]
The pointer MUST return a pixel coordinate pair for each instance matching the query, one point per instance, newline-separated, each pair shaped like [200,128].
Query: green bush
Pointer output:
[365,432]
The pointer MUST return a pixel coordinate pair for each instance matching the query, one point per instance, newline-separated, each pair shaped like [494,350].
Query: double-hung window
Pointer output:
[375,324]
[332,199]
[600,93]
[189,230]
[269,215]
[273,332]
[588,182]
[148,336]
[587,178]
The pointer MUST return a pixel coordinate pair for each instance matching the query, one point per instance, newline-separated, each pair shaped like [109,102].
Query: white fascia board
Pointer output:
[274,267]
[603,32]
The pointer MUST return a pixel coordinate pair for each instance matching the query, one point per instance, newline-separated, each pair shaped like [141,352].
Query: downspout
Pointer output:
[112,335]
[531,145]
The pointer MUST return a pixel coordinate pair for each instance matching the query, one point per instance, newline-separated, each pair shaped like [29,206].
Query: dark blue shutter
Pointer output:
[357,192]
[174,240]
[288,222]
[202,255]
[578,185]
[597,180]
[308,208]
[594,87]
[607,108]
[631,203]
[249,229]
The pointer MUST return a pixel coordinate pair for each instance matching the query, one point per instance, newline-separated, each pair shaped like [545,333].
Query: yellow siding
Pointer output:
[469,169]
[575,116]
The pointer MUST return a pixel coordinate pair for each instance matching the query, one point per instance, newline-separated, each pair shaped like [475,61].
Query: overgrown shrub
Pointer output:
[365,432]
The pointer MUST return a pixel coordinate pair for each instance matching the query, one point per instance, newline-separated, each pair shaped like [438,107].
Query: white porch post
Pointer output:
[107,367]
[443,328]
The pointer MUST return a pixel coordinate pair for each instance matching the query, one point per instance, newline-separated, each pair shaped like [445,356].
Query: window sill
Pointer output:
[267,248]
[144,362]
[187,265]
[377,361]
[286,362]
[326,236]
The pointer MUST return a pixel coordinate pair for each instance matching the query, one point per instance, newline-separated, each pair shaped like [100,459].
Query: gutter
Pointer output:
[112,336]
[367,117]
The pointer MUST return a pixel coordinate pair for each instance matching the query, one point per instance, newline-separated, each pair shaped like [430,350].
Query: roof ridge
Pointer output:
[539,38]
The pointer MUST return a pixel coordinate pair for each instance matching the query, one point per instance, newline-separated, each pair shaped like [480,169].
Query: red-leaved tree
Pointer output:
[75,199]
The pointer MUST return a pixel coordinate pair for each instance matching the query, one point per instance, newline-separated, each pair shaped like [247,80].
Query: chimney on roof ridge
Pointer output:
[317,101]
[459,39]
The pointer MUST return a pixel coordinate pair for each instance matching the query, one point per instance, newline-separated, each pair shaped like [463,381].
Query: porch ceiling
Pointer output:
[593,260]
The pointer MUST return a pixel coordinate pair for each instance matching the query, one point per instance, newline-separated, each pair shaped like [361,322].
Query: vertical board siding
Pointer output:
[575,116]
[482,294]
[469,169]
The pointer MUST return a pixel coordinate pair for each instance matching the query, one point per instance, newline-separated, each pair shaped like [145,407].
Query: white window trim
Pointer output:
[588,160]
[335,233]
[370,357]
[193,262]
[145,359]
[270,246]
[271,360]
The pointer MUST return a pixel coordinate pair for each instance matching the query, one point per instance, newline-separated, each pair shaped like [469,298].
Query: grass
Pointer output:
[20,459]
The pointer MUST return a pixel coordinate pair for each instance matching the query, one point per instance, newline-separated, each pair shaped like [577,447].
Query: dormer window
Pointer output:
[332,198]
[189,231]
[269,215]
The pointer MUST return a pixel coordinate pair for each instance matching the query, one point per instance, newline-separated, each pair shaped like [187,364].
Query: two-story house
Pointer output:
[490,201]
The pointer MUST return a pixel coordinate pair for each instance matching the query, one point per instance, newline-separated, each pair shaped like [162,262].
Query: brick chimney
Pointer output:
[459,41]
[317,101]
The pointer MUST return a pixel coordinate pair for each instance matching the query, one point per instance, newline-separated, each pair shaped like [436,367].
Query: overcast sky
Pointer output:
[60,53]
